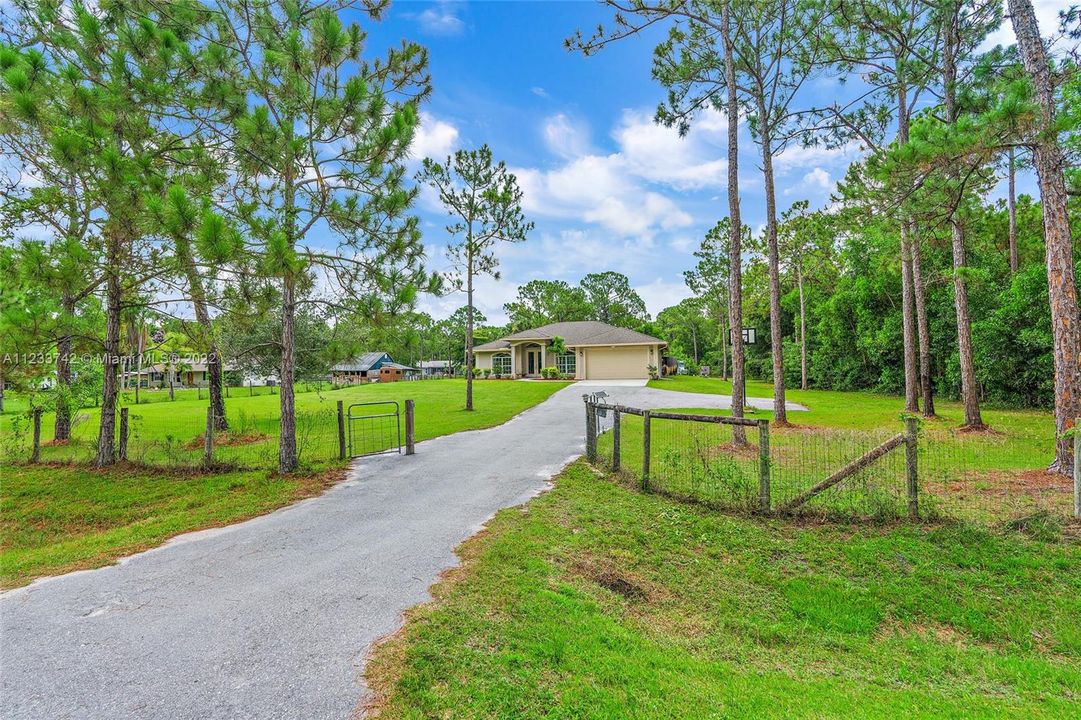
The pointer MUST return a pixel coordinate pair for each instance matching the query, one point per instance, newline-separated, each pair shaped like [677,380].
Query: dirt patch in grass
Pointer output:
[617,580]
[1004,483]
[228,439]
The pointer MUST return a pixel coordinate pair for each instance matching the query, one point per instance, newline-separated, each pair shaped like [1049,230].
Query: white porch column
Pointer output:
[544,354]
[513,360]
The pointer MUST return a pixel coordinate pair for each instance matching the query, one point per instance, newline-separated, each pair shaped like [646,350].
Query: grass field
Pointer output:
[992,475]
[55,518]
[601,602]
[170,433]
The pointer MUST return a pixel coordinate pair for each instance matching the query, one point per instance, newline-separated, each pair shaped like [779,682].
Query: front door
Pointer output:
[532,355]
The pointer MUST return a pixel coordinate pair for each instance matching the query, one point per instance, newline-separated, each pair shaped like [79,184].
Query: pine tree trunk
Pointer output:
[287,444]
[107,431]
[1050,165]
[1011,209]
[469,327]
[62,422]
[908,325]
[969,392]
[724,349]
[780,415]
[908,321]
[802,331]
[923,330]
[735,253]
[202,316]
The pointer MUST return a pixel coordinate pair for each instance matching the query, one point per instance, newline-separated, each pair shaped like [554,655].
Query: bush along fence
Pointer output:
[241,440]
[750,465]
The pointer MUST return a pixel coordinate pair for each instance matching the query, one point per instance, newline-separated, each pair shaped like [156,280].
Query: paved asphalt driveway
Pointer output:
[271,618]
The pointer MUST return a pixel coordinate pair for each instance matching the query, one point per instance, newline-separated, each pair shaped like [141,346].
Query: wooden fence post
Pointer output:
[123,445]
[341,431]
[591,430]
[409,429]
[912,472]
[645,450]
[208,438]
[35,454]
[763,466]
[615,440]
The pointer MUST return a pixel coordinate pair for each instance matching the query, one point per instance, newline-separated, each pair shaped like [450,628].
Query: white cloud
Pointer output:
[660,294]
[796,156]
[816,181]
[1046,16]
[565,137]
[540,92]
[489,296]
[440,20]
[596,189]
[658,154]
[613,190]
[434,138]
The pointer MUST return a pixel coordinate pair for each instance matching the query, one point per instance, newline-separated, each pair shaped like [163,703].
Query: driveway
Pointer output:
[272,618]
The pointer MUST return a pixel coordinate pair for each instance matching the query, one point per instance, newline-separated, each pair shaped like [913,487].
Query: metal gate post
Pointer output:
[341,430]
[615,440]
[645,450]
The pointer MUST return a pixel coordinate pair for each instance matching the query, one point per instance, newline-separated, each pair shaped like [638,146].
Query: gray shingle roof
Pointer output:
[359,364]
[586,332]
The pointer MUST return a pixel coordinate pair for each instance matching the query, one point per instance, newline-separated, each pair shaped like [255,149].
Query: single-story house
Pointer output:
[368,368]
[435,368]
[594,351]
[183,374]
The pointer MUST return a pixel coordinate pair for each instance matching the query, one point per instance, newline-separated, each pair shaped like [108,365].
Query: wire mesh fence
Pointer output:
[244,440]
[878,473]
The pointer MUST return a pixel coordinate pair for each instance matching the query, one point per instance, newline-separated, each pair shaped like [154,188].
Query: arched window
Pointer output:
[501,364]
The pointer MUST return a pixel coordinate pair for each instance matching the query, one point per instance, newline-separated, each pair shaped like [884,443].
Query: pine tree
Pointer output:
[110,69]
[317,135]
[696,64]
[1050,163]
[486,203]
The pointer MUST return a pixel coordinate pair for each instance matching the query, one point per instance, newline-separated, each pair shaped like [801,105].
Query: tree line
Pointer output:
[939,122]
[247,160]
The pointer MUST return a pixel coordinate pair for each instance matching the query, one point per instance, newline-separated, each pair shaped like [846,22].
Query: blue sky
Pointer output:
[607,189]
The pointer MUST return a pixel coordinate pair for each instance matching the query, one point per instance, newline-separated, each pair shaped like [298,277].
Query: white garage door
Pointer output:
[617,363]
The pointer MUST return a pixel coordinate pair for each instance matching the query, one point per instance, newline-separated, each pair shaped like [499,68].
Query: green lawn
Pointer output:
[983,476]
[602,602]
[56,518]
[170,433]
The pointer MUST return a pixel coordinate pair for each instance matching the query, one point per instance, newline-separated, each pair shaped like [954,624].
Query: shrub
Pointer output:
[487,373]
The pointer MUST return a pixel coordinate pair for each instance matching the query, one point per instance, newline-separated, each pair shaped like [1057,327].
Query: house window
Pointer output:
[565,363]
[501,364]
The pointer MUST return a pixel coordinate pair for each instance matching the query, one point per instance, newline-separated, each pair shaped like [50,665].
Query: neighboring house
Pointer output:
[595,351]
[435,368]
[181,374]
[369,367]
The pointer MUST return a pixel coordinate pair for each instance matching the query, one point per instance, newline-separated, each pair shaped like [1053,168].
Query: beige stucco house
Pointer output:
[594,351]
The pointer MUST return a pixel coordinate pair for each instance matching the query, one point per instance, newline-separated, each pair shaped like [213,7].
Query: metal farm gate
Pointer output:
[374,428]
